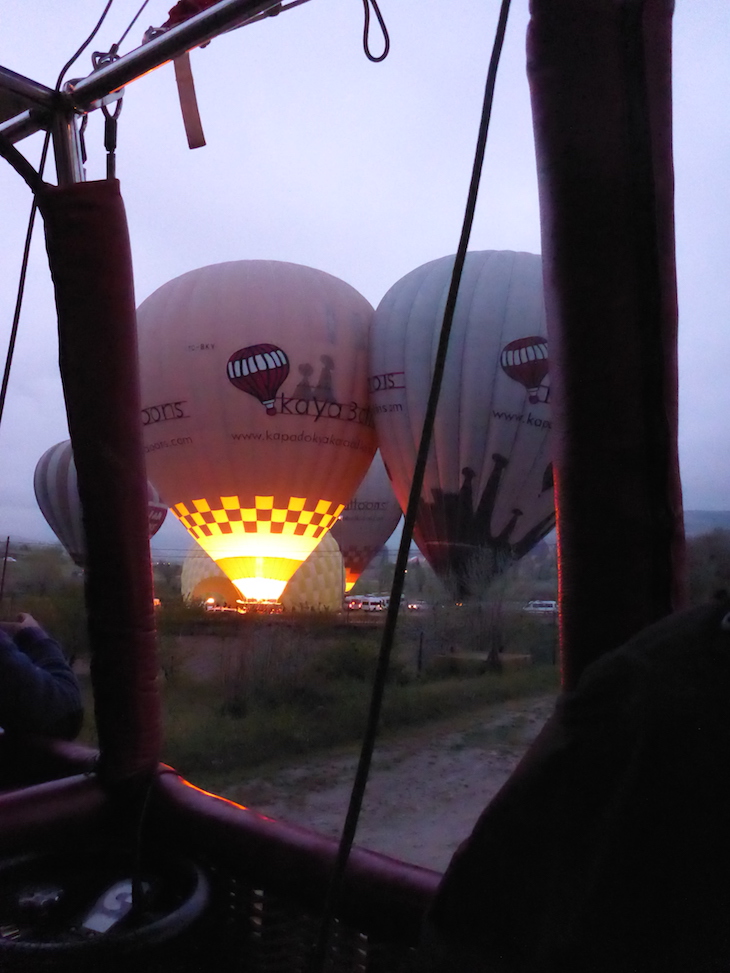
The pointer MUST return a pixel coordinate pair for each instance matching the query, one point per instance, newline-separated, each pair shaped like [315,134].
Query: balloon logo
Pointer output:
[526,361]
[260,371]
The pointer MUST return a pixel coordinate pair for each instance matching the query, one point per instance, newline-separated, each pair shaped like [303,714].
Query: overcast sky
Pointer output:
[317,156]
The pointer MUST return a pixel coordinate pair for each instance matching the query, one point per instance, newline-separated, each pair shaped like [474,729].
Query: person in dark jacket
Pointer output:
[608,849]
[39,693]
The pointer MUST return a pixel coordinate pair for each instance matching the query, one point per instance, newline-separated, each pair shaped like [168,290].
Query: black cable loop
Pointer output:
[366,32]
[319,950]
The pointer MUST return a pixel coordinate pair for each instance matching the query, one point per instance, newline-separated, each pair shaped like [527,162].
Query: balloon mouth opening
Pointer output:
[260,589]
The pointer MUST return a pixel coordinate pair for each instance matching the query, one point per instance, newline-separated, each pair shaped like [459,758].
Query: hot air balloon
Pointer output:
[54,482]
[367,521]
[256,421]
[487,495]
[316,585]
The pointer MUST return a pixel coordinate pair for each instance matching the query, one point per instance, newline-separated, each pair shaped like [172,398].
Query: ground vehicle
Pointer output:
[375,603]
[541,608]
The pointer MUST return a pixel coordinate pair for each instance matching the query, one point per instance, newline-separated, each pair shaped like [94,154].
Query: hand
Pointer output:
[23,620]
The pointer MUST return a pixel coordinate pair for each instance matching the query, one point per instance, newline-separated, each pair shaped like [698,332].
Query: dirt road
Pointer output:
[426,788]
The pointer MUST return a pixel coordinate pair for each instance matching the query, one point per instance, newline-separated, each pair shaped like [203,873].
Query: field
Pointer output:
[242,692]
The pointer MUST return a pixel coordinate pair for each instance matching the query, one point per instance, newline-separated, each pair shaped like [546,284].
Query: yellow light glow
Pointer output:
[260,589]
[259,548]
[349,585]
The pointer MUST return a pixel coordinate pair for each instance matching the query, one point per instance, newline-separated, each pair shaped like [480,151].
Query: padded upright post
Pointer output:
[600,78]
[91,263]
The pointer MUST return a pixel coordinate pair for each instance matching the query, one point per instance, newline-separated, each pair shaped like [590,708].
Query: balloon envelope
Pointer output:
[256,421]
[317,585]
[487,495]
[367,521]
[56,491]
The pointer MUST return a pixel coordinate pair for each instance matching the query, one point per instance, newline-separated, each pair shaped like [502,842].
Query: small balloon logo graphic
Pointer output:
[526,361]
[259,370]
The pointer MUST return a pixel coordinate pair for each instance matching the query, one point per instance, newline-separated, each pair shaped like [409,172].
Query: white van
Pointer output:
[375,603]
[541,608]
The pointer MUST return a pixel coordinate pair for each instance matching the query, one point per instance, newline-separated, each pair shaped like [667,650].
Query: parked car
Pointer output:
[541,608]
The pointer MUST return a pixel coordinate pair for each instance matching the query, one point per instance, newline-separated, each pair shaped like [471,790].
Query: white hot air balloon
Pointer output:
[256,422]
[487,494]
[367,521]
[56,491]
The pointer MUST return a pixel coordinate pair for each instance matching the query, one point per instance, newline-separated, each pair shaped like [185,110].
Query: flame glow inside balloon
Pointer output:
[367,521]
[487,495]
[256,421]
[316,585]
[56,491]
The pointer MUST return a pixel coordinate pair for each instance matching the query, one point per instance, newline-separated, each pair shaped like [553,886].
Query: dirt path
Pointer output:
[426,788]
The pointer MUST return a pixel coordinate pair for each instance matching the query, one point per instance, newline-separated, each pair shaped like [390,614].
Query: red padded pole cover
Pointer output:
[91,263]
[600,78]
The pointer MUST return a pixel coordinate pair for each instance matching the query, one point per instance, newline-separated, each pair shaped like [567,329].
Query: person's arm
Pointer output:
[39,692]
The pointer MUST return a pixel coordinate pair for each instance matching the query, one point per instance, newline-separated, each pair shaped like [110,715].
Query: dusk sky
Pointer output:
[317,156]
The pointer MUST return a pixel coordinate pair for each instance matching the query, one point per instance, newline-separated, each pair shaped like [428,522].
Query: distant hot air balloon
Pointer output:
[57,494]
[256,421]
[487,495]
[367,521]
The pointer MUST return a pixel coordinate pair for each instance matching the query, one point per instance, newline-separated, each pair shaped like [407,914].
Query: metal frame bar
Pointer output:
[82,96]
[26,88]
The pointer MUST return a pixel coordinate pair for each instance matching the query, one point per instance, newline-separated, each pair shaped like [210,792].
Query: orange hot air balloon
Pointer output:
[257,428]
[54,482]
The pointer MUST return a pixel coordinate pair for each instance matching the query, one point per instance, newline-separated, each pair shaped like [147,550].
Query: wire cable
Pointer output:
[133,21]
[85,44]
[35,181]
[23,275]
[363,769]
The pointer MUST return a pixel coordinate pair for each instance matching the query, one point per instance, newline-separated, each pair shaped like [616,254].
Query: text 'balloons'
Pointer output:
[487,495]
[257,428]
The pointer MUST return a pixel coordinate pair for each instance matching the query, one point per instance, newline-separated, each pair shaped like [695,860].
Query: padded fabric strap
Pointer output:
[90,259]
[600,77]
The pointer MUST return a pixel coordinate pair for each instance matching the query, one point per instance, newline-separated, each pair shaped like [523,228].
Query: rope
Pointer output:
[366,32]
[361,776]
[23,275]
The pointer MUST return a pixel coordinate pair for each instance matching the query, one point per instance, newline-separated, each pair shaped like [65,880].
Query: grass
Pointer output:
[272,693]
